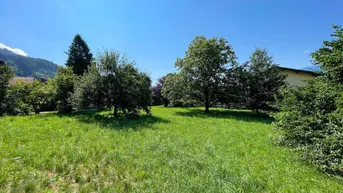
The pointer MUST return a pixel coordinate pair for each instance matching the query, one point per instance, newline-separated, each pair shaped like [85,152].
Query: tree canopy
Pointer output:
[116,83]
[330,56]
[79,55]
[64,84]
[203,68]
[264,81]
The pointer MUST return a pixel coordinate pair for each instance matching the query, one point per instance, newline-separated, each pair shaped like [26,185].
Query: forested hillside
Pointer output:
[27,66]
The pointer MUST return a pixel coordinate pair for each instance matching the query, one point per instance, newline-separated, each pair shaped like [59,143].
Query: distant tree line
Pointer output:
[209,75]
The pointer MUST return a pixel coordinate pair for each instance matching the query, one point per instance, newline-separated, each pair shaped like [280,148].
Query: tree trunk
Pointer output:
[207,107]
[124,111]
[115,112]
[207,102]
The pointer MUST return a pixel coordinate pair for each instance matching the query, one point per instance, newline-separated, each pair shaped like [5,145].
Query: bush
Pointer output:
[17,99]
[311,120]
[41,96]
[88,90]
[64,84]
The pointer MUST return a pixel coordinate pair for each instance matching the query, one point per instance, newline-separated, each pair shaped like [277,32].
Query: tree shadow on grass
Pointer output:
[242,115]
[105,120]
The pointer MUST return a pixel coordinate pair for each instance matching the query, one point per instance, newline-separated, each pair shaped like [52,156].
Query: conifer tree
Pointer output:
[265,79]
[79,55]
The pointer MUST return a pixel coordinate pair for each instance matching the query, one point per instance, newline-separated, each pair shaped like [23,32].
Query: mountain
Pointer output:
[27,66]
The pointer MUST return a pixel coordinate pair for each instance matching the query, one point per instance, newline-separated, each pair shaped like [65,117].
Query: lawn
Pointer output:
[175,150]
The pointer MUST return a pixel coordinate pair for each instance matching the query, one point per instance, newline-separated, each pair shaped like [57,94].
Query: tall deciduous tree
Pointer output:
[330,56]
[264,81]
[6,73]
[79,55]
[204,67]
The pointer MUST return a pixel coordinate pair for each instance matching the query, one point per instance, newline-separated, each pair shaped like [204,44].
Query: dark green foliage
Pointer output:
[264,80]
[64,84]
[311,121]
[23,97]
[311,117]
[156,95]
[79,55]
[158,98]
[330,56]
[17,99]
[116,83]
[88,91]
[29,67]
[125,87]
[235,90]
[203,68]
[144,95]
[42,95]
[174,89]
[6,73]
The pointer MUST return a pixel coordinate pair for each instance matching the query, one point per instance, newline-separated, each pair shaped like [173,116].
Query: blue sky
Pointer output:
[155,32]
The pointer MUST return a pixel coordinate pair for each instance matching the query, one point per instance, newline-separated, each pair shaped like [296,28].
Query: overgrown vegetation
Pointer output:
[311,117]
[174,150]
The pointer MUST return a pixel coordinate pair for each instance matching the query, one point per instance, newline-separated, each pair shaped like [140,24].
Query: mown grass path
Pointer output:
[175,150]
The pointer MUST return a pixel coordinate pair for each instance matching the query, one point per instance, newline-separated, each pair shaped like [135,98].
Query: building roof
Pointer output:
[22,79]
[299,70]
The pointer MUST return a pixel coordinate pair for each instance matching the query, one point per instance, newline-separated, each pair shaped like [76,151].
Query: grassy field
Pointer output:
[175,150]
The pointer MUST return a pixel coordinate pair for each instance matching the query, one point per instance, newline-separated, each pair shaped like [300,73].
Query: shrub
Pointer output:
[311,120]
[64,84]
[41,96]
[17,99]
[88,90]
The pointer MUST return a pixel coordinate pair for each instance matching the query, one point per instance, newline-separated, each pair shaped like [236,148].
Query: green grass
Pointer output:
[175,150]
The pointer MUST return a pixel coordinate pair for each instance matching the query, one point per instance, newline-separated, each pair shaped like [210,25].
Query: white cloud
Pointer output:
[14,50]
[307,52]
